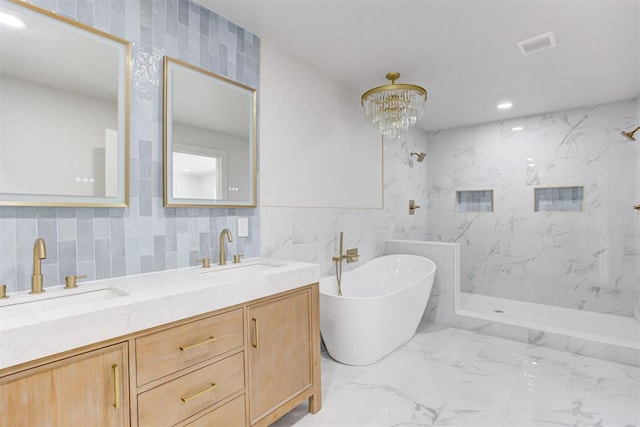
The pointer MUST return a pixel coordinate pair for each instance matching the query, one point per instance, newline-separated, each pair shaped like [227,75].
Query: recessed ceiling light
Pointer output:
[11,20]
[517,128]
[505,105]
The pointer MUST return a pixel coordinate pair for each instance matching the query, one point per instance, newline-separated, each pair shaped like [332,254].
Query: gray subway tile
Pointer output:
[7,212]
[26,212]
[205,242]
[48,230]
[67,228]
[172,18]
[85,12]
[183,12]
[132,22]
[118,267]
[85,239]
[159,251]
[146,37]
[102,15]
[50,275]
[172,260]
[68,259]
[87,268]
[102,228]
[67,8]
[133,256]
[103,259]
[144,201]
[144,158]
[114,241]
[117,25]
[46,213]
[146,13]
[66,212]
[117,7]
[146,263]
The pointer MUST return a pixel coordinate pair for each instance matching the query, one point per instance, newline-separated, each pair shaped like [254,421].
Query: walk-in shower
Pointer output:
[556,247]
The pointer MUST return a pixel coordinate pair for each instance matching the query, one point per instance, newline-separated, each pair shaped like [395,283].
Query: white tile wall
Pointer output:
[585,260]
[311,234]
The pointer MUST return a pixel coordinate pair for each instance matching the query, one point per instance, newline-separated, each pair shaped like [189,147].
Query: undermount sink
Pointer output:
[55,301]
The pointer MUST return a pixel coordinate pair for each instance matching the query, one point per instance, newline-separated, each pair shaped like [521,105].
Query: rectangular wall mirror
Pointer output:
[64,109]
[209,139]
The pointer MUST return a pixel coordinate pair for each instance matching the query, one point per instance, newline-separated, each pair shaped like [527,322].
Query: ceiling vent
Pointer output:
[538,43]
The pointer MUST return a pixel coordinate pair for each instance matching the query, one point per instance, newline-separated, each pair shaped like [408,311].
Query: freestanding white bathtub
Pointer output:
[383,301]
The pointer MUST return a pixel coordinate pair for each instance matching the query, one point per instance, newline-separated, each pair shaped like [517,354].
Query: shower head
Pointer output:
[420,156]
[629,135]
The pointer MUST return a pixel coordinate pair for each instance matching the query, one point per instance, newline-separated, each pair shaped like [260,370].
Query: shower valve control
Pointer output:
[352,255]
[412,207]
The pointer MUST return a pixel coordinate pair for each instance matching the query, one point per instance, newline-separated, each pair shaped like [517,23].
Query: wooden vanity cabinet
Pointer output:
[192,369]
[283,354]
[245,365]
[89,389]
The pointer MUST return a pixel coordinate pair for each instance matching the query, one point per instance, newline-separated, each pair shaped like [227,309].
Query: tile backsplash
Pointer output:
[109,242]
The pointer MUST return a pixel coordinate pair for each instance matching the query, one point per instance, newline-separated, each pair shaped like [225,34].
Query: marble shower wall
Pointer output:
[109,242]
[585,260]
[312,234]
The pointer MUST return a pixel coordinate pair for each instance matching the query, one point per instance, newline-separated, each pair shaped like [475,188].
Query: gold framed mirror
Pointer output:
[209,139]
[64,108]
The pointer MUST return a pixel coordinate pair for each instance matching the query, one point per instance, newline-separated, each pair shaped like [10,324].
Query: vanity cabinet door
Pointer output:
[279,351]
[84,390]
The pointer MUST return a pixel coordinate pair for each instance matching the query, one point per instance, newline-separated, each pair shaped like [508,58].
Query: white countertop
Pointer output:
[148,300]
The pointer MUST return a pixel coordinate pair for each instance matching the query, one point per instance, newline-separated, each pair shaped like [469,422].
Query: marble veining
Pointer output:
[453,377]
[586,259]
[310,234]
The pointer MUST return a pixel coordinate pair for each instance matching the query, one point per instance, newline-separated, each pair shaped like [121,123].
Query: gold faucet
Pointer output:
[39,253]
[350,256]
[223,256]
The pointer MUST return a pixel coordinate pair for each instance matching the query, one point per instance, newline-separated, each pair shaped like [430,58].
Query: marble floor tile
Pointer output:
[453,377]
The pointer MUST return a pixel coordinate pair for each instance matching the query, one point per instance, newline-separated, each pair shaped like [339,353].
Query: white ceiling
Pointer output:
[462,51]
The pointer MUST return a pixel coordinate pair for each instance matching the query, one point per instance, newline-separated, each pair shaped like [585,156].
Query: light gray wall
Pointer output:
[108,242]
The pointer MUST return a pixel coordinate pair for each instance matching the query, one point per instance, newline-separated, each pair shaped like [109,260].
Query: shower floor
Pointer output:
[604,328]
[455,377]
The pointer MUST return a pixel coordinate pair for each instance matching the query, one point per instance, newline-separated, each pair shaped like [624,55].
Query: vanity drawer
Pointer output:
[173,349]
[229,414]
[185,396]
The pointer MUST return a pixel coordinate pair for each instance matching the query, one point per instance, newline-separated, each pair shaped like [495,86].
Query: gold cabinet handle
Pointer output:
[255,335]
[200,393]
[116,385]
[637,207]
[198,344]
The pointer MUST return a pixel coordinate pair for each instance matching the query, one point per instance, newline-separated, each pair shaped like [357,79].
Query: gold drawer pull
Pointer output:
[198,344]
[200,393]
[116,385]
[255,328]
[637,207]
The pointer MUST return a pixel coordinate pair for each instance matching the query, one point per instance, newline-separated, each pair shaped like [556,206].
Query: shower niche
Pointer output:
[559,199]
[474,201]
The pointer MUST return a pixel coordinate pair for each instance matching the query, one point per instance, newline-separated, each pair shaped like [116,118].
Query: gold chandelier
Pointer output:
[394,108]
